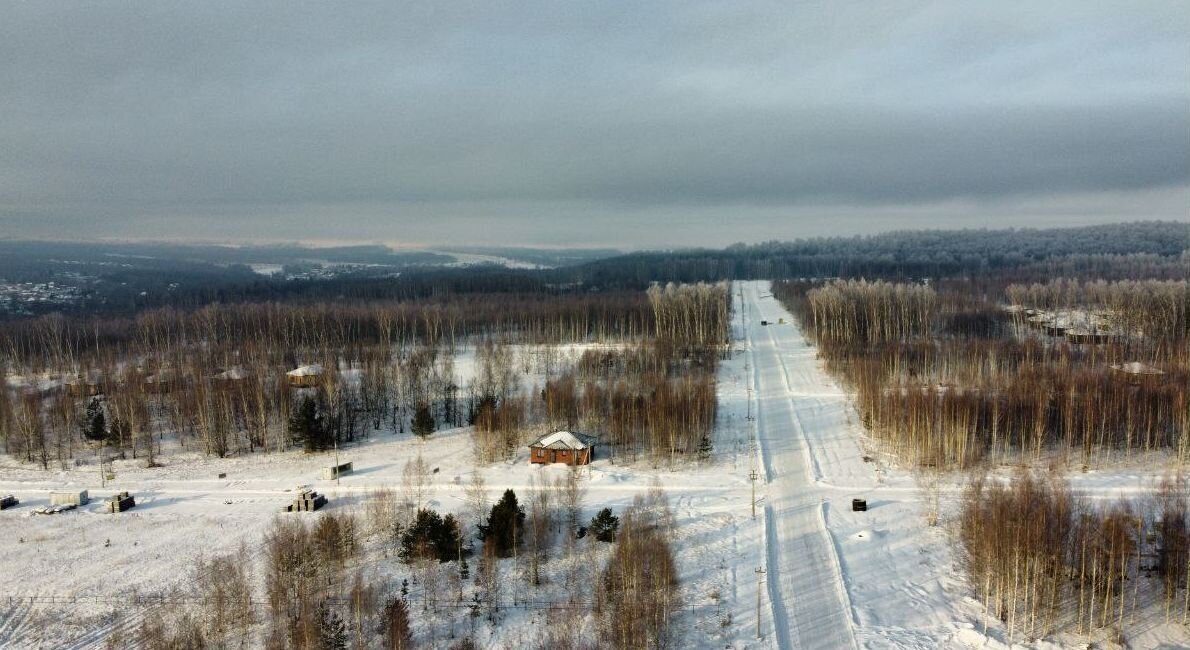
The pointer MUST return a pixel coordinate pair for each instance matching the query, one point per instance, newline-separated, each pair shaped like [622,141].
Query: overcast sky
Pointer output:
[631,124]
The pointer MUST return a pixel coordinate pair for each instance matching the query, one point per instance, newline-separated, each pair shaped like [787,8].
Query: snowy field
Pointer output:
[832,578]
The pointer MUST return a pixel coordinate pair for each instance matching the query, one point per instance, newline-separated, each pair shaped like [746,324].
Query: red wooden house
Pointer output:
[563,447]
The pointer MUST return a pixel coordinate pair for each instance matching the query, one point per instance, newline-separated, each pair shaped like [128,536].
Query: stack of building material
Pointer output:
[8,501]
[120,502]
[307,501]
[54,510]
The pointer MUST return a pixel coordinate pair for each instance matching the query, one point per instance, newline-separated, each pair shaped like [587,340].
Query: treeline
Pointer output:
[56,342]
[950,376]
[1043,560]
[863,313]
[248,406]
[691,317]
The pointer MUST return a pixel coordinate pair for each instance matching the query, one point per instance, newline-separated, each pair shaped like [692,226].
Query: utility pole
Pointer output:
[752,476]
[515,526]
[759,588]
[336,461]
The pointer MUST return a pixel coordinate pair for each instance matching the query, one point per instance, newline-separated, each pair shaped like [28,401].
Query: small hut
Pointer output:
[84,385]
[305,376]
[162,382]
[234,376]
[563,447]
[1087,337]
[1037,319]
[1053,328]
[1136,372]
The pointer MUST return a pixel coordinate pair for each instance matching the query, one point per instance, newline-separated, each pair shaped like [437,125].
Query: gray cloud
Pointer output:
[617,122]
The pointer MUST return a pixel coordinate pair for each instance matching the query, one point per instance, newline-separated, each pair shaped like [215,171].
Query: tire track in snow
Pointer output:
[13,622]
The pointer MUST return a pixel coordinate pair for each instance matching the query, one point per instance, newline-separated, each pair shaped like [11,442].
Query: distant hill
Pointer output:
[912,253]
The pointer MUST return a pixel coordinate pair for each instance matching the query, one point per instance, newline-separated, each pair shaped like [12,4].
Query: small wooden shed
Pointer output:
[84,385]
[163,381]
[1038,320]
[305,376]
[563,447]
[1136,372]
[234,376]
[1053,329]
[1087,337]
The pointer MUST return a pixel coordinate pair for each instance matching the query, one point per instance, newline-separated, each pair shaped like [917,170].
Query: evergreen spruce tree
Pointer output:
[397,626]
[430,536]
[604,525]
[305,426]
[332,634]
[504,528]
[450,404]
[484,408]
[423,421]
[94,423]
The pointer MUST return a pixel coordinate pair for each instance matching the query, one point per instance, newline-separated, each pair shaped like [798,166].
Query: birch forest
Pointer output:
[949,376]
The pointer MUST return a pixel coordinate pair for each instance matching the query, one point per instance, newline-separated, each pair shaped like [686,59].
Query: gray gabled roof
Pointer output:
[565,440]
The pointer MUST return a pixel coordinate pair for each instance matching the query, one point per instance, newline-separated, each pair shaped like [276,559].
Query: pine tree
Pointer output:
[504,525]
[94,423]
[450,403]
[431,536]
[306,426]
[332,634]
[705,448]
[423,421]
[398,630]
[604,525]
[485,408]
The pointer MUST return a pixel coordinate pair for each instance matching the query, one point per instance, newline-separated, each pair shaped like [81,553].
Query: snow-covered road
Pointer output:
[810,605]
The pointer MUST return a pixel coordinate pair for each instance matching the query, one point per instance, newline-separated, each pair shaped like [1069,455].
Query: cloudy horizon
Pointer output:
[616,124]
